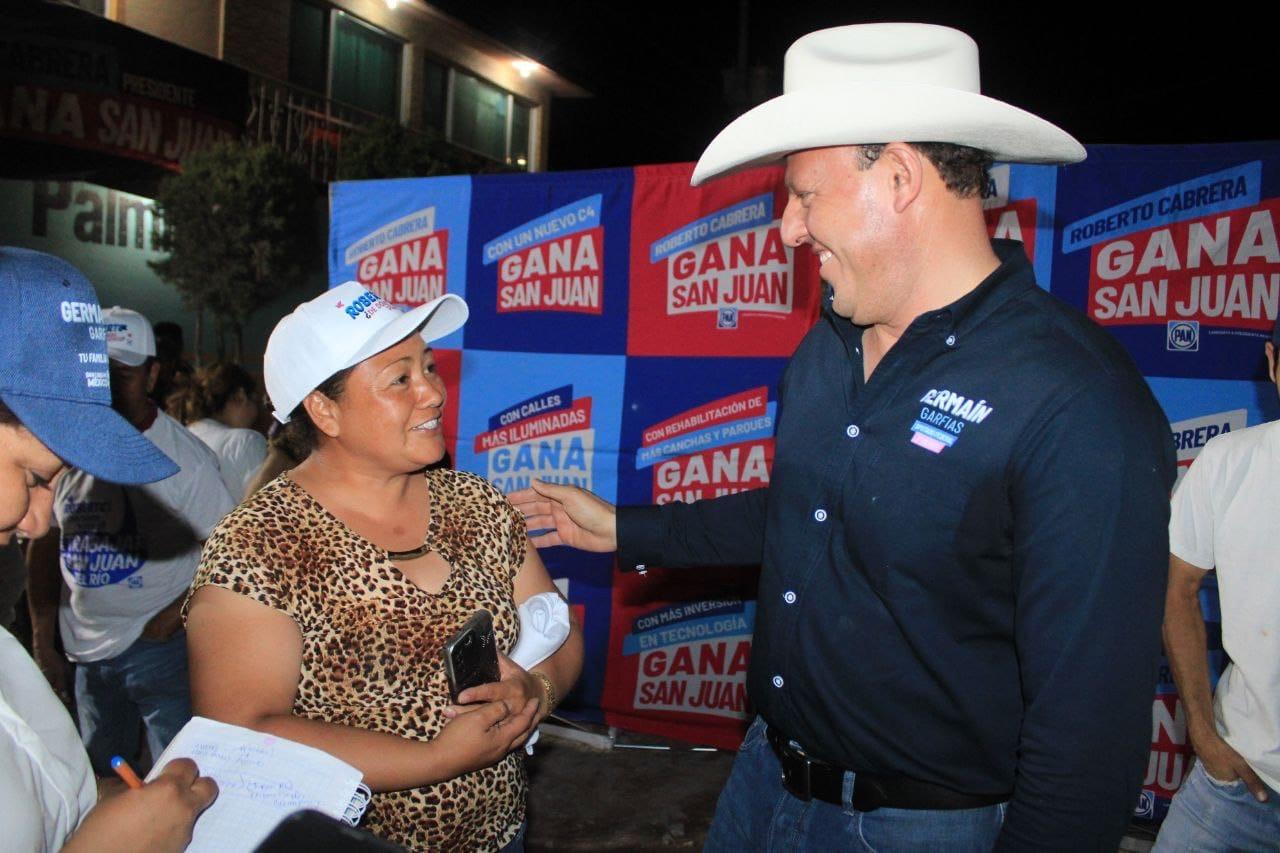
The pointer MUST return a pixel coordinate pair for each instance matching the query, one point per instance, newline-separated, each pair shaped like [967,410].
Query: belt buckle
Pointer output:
[795,773]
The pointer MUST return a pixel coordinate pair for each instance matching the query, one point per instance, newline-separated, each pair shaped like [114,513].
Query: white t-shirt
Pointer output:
[1225,517]
[127,551]
[240,452]
[46,785]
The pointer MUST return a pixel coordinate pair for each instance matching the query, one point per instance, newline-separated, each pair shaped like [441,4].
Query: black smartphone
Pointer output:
[471,656]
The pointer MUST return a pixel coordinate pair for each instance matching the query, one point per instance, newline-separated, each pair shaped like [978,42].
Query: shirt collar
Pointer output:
[1013,276]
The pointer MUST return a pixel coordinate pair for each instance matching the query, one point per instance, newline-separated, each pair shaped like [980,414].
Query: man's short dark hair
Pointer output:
[963,169]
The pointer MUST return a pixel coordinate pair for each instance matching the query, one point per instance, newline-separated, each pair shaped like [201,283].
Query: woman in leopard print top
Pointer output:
[321,603]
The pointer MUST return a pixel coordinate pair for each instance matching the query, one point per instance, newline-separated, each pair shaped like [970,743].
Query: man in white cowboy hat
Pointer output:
[964,538]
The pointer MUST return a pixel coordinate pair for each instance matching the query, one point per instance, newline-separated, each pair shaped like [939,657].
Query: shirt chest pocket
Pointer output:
[914,514]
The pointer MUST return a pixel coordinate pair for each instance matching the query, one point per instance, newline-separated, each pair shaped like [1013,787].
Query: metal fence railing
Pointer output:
[303,124]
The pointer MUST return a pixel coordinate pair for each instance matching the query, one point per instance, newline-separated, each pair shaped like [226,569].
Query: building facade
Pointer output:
[320,68]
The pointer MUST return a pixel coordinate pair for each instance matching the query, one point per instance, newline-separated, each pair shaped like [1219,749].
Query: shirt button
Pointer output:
[852,431]
[777,681]
[820,515]
[789,597]
[951,340]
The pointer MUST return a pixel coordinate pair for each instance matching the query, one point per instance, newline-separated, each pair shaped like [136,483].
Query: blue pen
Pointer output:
[125,772]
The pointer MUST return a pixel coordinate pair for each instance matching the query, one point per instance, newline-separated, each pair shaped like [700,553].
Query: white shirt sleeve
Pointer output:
[198,496]
[241,457]
[1191,520]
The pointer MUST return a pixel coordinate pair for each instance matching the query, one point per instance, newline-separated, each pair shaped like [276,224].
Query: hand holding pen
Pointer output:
[156,815]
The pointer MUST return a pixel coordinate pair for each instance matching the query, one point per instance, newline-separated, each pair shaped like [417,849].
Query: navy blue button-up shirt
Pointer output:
[964,558]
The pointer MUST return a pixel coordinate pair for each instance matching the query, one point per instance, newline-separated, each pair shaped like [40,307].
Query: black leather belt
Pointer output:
[808,778]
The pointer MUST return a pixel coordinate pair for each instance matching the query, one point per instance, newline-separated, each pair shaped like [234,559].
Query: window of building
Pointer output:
[309,47]
[489,120]
[365,67]
[344,58]
[479,116]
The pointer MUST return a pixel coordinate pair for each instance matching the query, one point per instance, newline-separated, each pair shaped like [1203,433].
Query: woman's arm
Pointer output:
[246,659]
[561,669]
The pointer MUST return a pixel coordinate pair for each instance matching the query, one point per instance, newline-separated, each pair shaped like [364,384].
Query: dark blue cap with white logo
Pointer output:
[54,375]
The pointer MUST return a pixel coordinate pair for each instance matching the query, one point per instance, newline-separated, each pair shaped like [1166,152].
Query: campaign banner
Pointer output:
[405,239]
[586,580]
[1200,409]
[69,78]
[449,368]
[710,271]
[1174,251]
[1018,205]
[557,418]
[681,638]
[544,415]
[628,332]
[548,264]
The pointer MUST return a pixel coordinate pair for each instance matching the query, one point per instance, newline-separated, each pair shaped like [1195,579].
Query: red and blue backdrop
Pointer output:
[628,331]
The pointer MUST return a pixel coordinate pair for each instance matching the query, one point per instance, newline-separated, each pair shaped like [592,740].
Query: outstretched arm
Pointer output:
[567,515]
[724,531]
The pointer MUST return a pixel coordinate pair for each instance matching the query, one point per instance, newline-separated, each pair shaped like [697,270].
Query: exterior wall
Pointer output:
[255,36]
[196,24]
[107,234]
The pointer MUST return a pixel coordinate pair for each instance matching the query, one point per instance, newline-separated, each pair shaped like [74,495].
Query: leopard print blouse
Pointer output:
[371,639]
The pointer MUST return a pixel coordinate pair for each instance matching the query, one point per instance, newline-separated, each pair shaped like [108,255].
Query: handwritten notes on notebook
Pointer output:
[261,780]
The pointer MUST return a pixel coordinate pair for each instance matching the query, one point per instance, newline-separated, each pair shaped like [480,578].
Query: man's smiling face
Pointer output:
[845,215]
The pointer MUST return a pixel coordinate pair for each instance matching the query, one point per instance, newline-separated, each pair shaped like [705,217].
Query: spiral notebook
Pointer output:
[261,780]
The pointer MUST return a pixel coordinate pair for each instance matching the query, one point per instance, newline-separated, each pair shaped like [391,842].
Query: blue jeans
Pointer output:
[147,683]
[756,813]
[1209,815]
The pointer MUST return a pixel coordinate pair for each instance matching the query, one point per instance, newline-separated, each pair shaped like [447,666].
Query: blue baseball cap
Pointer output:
[53,370]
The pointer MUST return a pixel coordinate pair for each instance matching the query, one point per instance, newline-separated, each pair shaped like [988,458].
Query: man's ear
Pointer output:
[153,375]
[324,413]
[907,171]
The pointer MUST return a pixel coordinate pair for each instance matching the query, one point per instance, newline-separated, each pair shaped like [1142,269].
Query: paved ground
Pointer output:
[585,799]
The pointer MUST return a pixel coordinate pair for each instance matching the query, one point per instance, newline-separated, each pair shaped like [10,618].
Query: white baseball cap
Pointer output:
[339,329]
[130,338]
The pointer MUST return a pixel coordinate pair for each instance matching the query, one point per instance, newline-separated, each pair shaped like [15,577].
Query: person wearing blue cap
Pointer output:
[55,411]
[126,555]
[1224,519]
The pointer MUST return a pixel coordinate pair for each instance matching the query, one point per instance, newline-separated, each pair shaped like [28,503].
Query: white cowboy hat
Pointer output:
[875,83]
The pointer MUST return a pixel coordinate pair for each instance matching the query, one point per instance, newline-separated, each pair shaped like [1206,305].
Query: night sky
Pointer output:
[1104,73]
